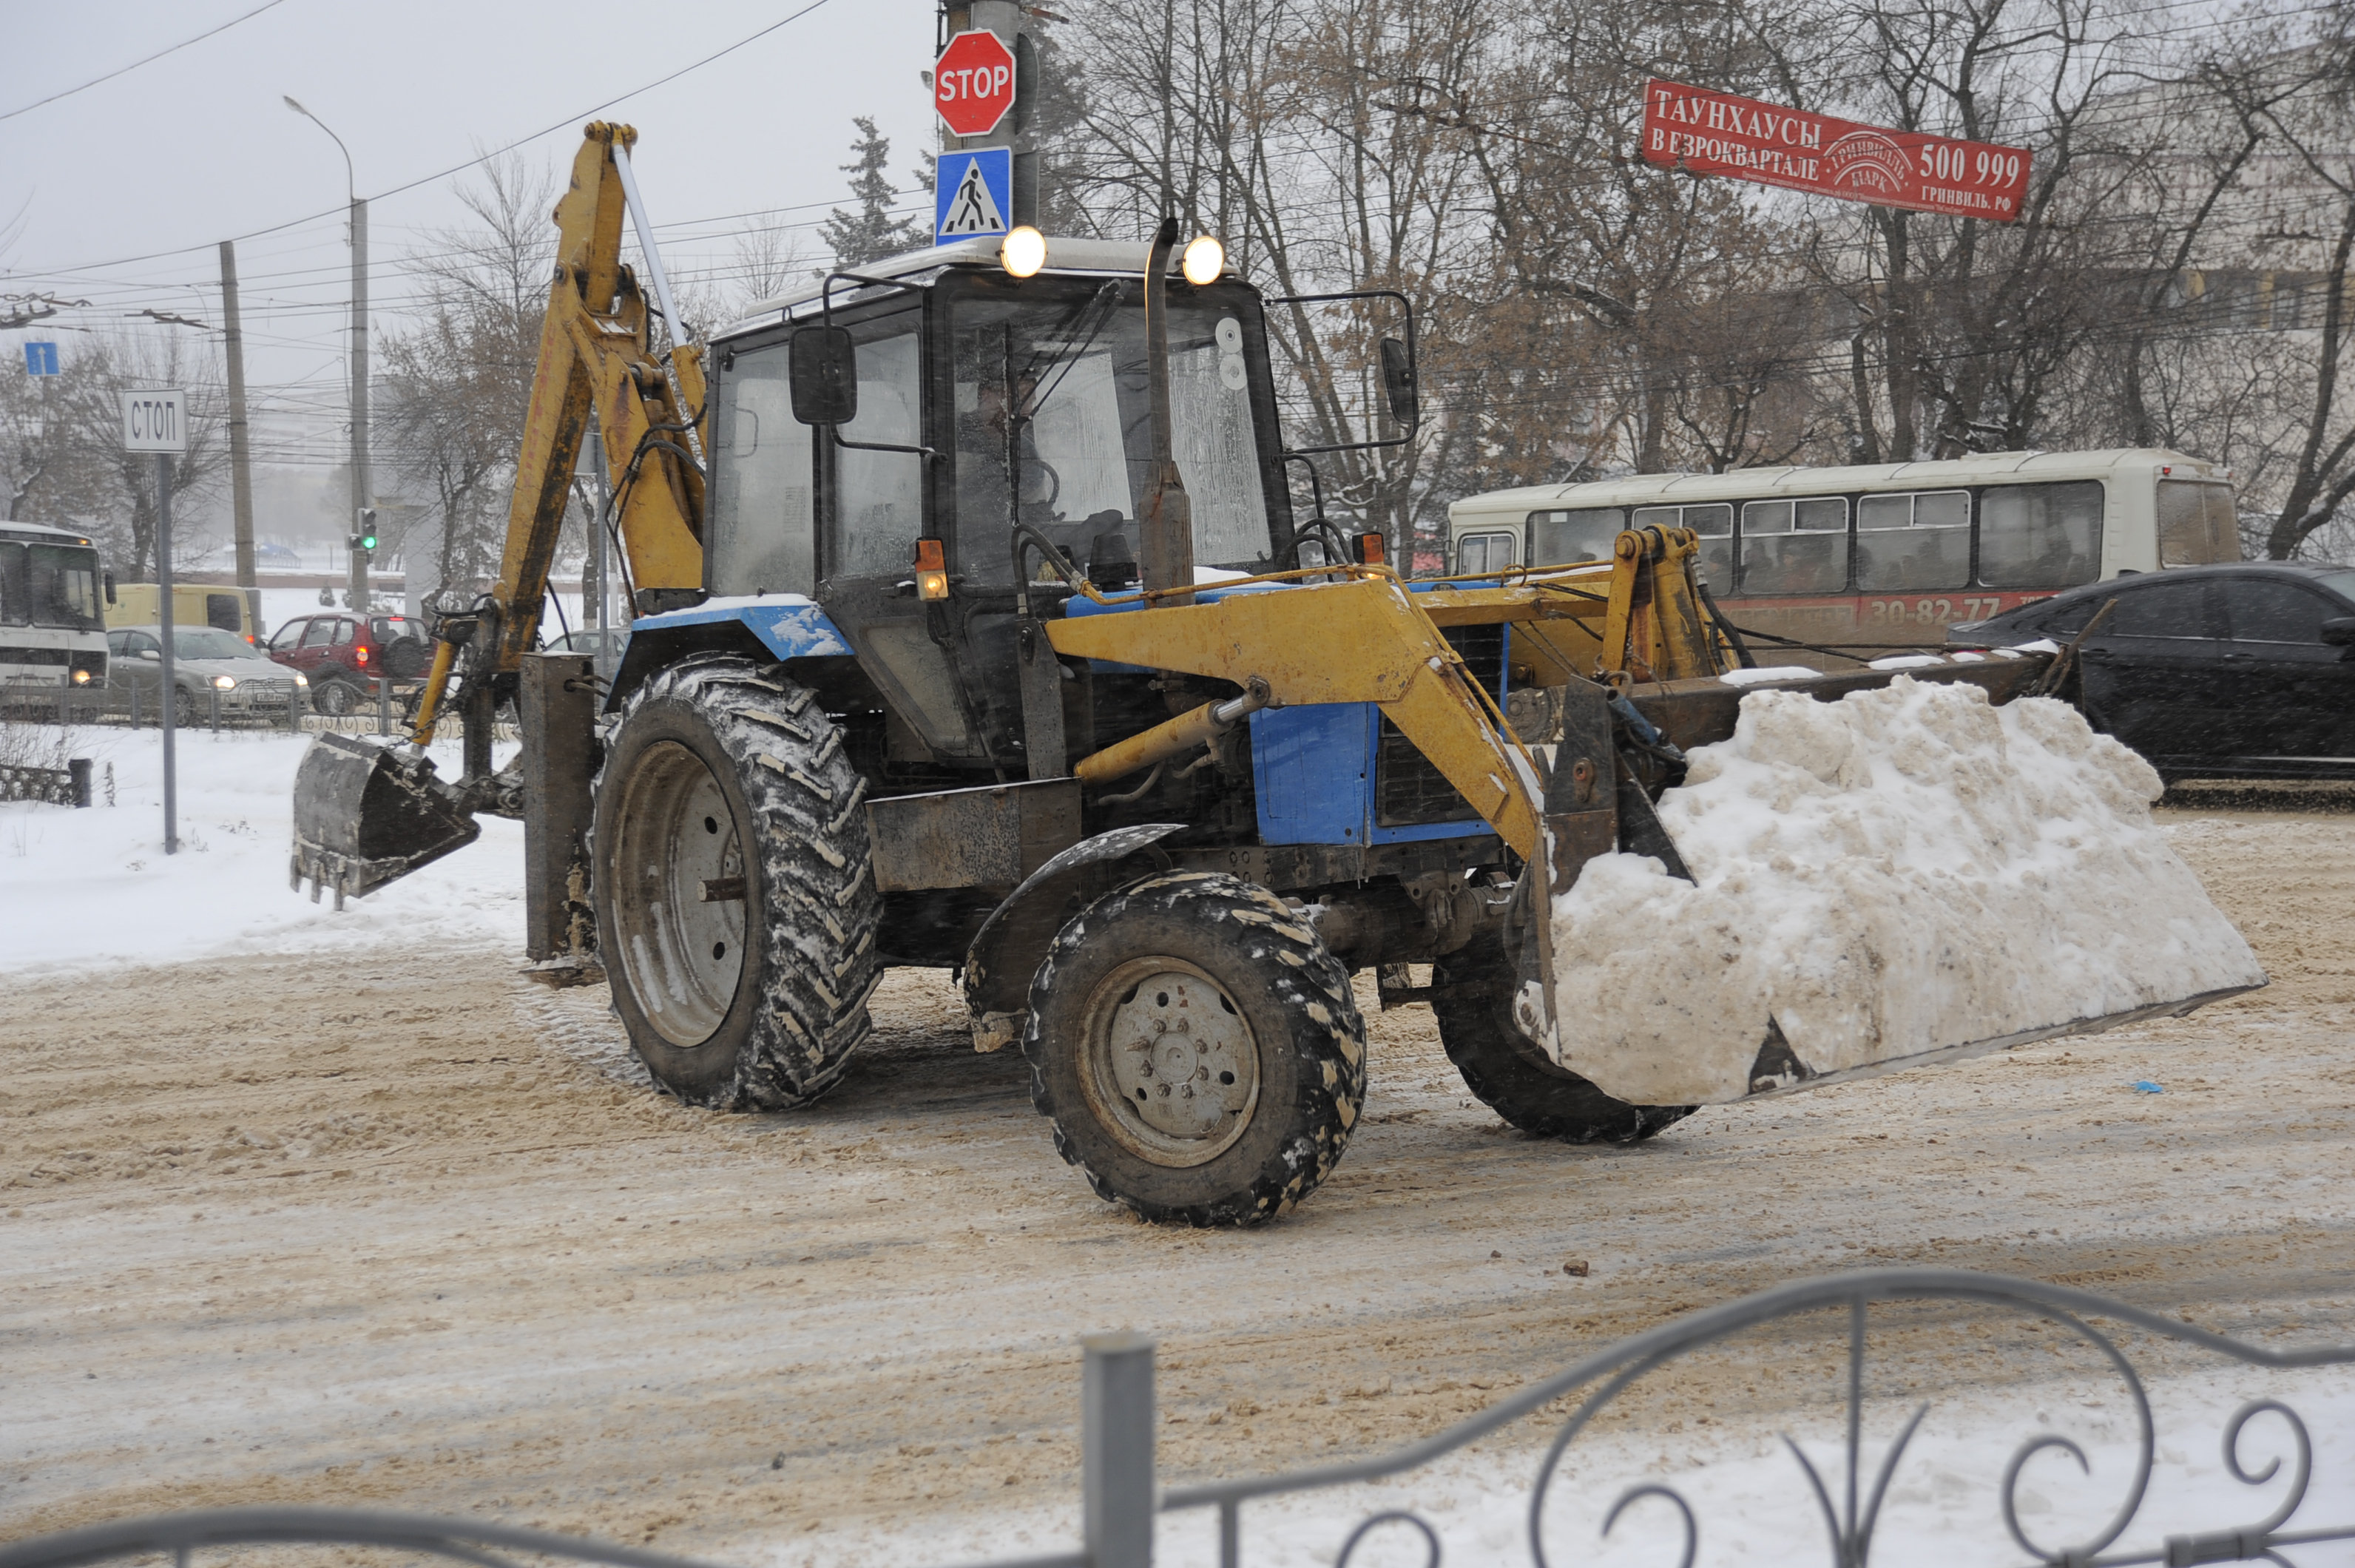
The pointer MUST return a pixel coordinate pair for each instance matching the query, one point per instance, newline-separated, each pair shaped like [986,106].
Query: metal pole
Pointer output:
[240,473]
[359,563]
[1116,1451]
[383,705]
[171,687]
[597,545]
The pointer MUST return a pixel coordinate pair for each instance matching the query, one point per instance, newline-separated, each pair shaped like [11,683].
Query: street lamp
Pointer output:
[360,561]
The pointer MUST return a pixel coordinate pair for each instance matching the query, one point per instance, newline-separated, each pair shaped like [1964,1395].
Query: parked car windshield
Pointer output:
[2340,582]
[212,643]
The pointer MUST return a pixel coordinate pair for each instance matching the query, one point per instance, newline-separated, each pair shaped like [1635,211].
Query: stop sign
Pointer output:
[972,84]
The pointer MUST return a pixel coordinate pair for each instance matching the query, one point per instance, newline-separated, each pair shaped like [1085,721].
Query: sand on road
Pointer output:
[406,1230]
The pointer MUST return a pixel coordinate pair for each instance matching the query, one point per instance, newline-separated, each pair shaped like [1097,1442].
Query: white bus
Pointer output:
[1881,556]
[52,624]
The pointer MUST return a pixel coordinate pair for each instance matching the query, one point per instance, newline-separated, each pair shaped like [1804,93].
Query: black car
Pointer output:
[2237,671]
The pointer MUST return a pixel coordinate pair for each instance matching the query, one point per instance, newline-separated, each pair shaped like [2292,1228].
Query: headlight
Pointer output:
[1204,259]
[302,679]
[1023,251]
[225,682]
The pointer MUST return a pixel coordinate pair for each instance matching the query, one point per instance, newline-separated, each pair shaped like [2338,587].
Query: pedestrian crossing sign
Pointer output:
[973,194]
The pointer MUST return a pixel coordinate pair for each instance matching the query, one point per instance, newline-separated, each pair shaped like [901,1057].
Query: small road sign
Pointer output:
[40,359]
[973,83]
[156,422]
[973,193]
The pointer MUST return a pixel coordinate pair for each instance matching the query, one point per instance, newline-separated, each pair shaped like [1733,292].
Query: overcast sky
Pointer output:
[163,162]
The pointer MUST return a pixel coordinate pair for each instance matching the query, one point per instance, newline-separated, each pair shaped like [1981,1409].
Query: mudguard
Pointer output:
[1007,949]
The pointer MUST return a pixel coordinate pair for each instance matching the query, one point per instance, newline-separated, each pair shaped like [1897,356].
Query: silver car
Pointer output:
[209,665]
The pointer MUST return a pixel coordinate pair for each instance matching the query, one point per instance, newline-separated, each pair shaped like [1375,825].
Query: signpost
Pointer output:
[40,359]
[973,83]
[159,422]
[973,193]
[1720,134]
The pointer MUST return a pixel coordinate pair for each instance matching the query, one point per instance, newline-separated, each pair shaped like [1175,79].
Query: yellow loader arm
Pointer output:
[595,350]
[1371,640]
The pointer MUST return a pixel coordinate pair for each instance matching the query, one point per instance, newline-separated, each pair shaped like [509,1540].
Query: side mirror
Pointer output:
[1397,380]
[2339,631]
[110,587]
[823,370]
[152,656]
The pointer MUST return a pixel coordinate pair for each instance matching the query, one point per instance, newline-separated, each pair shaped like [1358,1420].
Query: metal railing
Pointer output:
[1118,1484]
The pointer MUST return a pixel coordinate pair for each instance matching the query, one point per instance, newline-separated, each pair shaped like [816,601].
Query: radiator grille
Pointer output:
[1408,791]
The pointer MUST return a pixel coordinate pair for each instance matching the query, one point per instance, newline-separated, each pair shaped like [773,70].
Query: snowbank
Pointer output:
[1905,870]
[95,888]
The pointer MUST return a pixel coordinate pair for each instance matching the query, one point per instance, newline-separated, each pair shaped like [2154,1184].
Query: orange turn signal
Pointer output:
[931,571]
[1367,550]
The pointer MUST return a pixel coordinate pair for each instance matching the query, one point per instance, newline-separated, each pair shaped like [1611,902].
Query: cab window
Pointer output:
[2195,525]
[763,523]
[879,496]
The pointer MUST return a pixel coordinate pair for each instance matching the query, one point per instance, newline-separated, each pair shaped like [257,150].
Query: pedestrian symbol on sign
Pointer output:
[974,190]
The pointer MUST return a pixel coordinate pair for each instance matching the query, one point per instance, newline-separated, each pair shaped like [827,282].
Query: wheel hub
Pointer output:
[683,951]
[1172,1068]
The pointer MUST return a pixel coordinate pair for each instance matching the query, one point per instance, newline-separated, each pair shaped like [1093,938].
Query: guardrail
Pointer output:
[1118,1485]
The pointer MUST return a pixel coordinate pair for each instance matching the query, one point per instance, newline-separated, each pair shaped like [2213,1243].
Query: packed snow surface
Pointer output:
[1907,870]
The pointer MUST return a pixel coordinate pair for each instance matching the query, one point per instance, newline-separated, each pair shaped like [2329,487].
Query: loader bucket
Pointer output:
[366,813]
[1858,875]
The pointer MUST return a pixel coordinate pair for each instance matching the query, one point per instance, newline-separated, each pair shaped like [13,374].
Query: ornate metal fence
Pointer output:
[1119,1490]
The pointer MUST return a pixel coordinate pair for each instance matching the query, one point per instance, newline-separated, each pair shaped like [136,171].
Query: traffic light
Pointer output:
[364,540]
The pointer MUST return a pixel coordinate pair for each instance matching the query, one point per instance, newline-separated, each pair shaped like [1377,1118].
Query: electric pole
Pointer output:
[359,586]
[357,595]
[240,471]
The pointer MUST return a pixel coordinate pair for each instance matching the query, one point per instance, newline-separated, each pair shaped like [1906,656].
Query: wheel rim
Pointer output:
[1168,1065]
[334,700]
[682,955]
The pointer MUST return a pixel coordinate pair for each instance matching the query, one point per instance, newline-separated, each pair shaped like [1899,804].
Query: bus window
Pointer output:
[16,591]
[1714,524]
[1484,553]
[1566,537]
[2041,536]
[1908,543]
[1795,546]
[64,587]
[2196,524]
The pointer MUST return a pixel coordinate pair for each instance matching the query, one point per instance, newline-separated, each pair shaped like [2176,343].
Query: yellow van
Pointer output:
[237,610]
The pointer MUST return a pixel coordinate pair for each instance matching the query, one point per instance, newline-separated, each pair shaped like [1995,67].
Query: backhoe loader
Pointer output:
[975,627]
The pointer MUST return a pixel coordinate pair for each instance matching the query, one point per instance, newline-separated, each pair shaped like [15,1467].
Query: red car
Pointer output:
[344,654]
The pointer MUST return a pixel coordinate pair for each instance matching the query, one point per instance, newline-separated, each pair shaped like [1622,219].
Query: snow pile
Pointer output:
[1905,870]
[93,888]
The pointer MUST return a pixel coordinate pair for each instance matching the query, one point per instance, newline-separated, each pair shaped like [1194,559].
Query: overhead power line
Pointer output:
[454,168]
[151,60]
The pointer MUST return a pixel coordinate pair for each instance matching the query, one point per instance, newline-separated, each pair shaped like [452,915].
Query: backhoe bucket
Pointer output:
[1872,871]
[366,813]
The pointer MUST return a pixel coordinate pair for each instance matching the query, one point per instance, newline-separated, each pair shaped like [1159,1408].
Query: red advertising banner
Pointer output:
[1720,134]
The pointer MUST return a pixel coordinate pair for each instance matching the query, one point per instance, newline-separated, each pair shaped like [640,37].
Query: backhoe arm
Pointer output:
[595,350]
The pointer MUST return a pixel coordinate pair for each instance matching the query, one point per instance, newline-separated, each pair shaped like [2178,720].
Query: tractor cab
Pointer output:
[984,410]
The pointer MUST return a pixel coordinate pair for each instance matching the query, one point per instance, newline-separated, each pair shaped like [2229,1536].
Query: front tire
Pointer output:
[736,912]
[1472,996]
[1199,1050]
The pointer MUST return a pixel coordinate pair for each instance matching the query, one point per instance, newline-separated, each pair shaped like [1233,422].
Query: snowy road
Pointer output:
[345,1211]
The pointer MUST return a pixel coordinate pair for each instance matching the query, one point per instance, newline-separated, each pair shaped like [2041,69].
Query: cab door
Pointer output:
[874,505]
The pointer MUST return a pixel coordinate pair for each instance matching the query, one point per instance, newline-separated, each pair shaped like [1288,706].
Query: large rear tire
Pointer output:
[1199,1050]
[735,909]
[1472,995]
